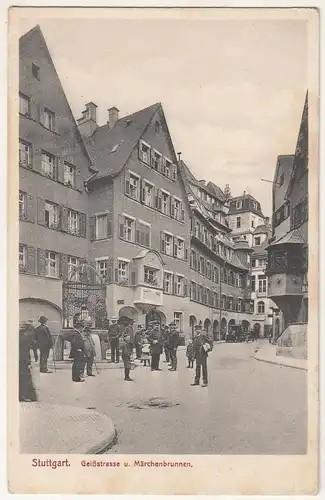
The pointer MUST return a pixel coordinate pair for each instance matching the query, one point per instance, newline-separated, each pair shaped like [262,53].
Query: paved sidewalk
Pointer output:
[267,353]
[52,428]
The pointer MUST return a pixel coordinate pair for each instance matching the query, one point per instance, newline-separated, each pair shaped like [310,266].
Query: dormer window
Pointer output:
[239,204]
[35,71]
[168,168]
[156,160]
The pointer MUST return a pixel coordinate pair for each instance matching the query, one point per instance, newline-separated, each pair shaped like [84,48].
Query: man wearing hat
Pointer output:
[173,341]
[114,334]
[155,342]
[201,346]
[89,347]
[44,343]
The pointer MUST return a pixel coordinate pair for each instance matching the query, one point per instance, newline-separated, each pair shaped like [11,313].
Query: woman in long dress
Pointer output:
[27,390]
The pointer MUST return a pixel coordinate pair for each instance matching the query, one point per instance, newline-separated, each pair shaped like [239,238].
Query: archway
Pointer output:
[257,330]
[245,325]
[128,313]
[223,329]
[207,325]
[231,324]
[192,324]
[215,329]
[155,315]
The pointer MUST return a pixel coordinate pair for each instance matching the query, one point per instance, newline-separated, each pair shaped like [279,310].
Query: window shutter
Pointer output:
[110,266]
[185,287]
[163,165]
[138,233]
[185,254]
[36,160]
[134,274]
[116,273]
[174,247]
[41,211]
[173,284]
[79,180]
[64,219]
[121,226]
[42,115]
[172,207]
[109,227]
[162,242]
[82,224]
[64,267]
[191,260]
[174,172]
[140,151]
[127,182]
[30,208]
[182,215]
[41,261]
[34,110]
[57,123]
[147,237]
[143,192]
[92,228]
[30,260]
[60,170]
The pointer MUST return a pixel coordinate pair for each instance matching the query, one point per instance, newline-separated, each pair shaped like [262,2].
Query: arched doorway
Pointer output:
[155,315]
[245,325]
[128,313]
[257,330]
[223,329]
[192,324]
[231,324]
[215,329]
[207,325]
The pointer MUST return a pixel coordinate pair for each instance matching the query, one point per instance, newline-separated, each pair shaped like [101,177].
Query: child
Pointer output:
[145,352]
[190,355]
[126,356]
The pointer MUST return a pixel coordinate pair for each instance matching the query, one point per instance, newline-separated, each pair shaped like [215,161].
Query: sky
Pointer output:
[232,90]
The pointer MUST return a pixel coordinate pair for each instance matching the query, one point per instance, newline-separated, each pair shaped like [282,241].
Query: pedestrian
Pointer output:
[155,346]
[77,353]
[145,352]
[129,331]
[44,343]
[114,334]
[173,341]
[126,356]
[27,392]
[138,337]
[201,346]
[165,344]
[190,354]
[89,351]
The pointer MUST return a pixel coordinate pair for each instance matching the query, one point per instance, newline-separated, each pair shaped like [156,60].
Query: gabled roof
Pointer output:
[292,237]
[211,188]
[217,192]
[125,134]
[235,261]
[262,229]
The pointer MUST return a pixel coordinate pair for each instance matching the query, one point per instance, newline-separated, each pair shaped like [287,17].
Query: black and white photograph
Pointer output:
[163,168]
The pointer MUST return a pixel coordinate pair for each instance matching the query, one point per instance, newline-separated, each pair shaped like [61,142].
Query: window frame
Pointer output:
[74,171]
[49,119]
[28,154]
[97,217]
[50,163]
[51,258]
[53,211]
[26,99]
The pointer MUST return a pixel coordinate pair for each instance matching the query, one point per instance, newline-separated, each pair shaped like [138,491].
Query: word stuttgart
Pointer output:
[142,463]
[48,462]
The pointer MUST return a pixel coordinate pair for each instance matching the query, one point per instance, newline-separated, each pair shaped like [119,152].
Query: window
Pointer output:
[73,263]
[255,205]
[230,303]
[216,274]
[253,222]
[35,71]
[253,262]
[144,152]
[69,175]
[123,272]
[51,215]
[157,127]
[24,105]
[223,302]
[239,204]
[165,203]
[239,305]
[52,265]
[22,205]
[150,276]
[253,283]
[205,236]
[49,119]
[155,160]
[168,280]
[260,307]
[262,283]
[47,165]
[257,240]
[300,213]
[24,154]
[240,281]
[176,209]
[179,248]
[22,257]
[197,229]
[148,194]
[167,243]
[178,320]
[238,224]
[179,285]
[101,227]
[129,225]
[133,187]
[73,222]
[168,168]
[101,266]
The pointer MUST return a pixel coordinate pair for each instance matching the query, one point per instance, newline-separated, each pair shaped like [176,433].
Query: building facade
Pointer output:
[288,253]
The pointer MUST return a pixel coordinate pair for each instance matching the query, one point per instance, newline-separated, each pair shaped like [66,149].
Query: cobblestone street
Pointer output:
[248,407]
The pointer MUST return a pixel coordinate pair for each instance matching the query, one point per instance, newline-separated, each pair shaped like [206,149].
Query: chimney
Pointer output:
[112,116]
[87,124]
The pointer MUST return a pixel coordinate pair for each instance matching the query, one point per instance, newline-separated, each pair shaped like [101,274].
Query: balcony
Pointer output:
[261,294]
[282,284]
[149,296]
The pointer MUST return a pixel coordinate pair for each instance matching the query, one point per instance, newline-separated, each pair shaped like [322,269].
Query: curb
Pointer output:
[279,363]
[104,445]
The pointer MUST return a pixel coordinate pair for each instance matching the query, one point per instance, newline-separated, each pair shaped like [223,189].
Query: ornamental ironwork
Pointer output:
[84,294]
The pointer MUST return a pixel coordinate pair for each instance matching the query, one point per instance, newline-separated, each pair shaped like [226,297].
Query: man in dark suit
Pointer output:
[173,341]
[155,342]
[44,343]
[114,335]
[201,346]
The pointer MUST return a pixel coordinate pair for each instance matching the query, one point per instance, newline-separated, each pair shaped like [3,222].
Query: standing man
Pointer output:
[89,351]
[201,346]
[114,334]
[138,341]
[44,343]
[173,341]
[165,344]
[78,354]
[155,346]
[128,332]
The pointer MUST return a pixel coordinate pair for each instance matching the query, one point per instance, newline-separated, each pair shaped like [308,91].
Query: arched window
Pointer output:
[260,307]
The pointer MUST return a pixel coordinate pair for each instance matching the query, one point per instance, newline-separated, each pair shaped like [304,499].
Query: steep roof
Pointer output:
[211,188]
[292,237]
[260,250]
[218,193]
[125,134]
[262,229]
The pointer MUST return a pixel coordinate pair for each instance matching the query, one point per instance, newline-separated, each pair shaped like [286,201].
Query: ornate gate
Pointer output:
[84,294]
